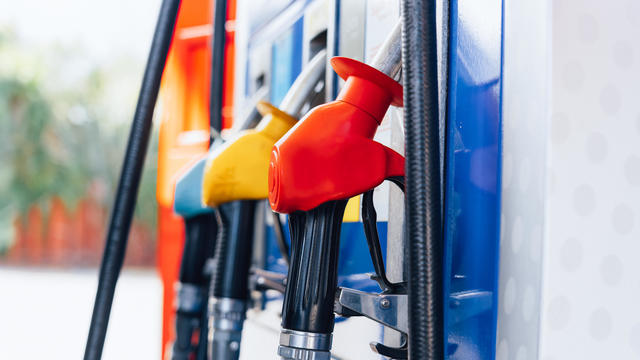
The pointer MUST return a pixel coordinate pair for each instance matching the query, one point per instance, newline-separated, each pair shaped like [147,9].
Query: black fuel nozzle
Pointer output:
[307,312]
[201,228]
[191,290]
[229,285]
[327,158]
[235,178]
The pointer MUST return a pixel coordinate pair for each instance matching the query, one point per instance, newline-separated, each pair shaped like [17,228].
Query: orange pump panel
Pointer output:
[184,130]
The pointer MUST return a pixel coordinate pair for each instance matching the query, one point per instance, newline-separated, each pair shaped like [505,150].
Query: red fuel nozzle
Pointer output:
[330,154]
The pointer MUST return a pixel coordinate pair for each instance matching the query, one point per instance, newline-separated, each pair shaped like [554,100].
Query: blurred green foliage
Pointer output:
[63,130]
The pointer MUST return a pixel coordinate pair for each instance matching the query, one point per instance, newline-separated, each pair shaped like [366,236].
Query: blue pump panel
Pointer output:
[286,61]
[188,193]
[354,263]
[472,187]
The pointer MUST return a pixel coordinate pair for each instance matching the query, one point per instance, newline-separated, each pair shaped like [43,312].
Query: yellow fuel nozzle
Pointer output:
[238,170]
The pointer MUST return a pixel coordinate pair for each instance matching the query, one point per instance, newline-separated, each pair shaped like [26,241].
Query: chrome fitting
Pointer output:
[226,317]
[190,298]
[228,314]
[290,353]
[305,340]
[302,345]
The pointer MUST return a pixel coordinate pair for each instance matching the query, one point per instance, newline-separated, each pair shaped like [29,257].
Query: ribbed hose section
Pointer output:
[422,204]
[127,192]
[221,249]
[234,247]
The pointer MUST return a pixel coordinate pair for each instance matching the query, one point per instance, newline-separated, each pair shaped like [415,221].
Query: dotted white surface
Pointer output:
[591,282]
[525,131]
[570,232]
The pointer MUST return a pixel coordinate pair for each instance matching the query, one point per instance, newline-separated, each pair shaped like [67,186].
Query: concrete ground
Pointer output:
[45,314]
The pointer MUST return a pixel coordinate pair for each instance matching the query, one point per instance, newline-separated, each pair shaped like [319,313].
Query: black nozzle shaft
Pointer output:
[233,249]
[200,234]
[313,272]
[200,237]
[230,279]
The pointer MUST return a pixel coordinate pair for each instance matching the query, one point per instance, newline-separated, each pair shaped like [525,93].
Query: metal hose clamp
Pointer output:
[228,314]
[190,298]
[302,345]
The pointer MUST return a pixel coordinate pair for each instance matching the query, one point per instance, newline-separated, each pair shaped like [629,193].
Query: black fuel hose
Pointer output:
[126,194]
[422,201]
[217,65]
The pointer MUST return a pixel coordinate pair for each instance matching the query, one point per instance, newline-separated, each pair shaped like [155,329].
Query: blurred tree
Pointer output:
[63,131]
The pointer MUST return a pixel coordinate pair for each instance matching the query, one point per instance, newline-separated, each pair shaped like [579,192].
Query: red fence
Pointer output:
[58,236]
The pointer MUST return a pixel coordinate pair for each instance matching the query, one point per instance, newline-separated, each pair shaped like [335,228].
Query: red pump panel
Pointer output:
[330,154]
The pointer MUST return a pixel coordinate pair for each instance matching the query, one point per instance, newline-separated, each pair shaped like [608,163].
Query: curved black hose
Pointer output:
[423,202]
[278,228]
[126,194]
[217,65]
[370,221]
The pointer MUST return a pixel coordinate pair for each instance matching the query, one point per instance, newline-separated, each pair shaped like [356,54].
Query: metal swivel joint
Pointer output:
[327,158]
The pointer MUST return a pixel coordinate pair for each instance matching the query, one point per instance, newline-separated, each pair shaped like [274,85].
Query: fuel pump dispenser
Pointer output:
[328,157]
[235,178]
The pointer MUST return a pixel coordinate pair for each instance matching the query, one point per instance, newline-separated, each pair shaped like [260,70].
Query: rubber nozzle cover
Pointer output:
[188,194]
[238,170]
[330,154]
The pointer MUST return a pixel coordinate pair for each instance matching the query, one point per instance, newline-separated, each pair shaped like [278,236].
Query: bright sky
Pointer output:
[102,27]
[85,34]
